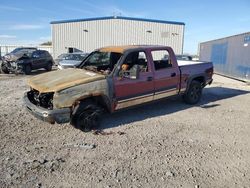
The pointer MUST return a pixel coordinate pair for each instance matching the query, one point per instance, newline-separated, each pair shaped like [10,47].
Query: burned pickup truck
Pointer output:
[113,78]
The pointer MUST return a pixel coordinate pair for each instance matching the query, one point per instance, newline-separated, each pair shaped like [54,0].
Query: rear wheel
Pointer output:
[194,92]
[27,69]
[86,116]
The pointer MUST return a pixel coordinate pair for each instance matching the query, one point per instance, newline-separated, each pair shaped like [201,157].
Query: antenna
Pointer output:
[116,14]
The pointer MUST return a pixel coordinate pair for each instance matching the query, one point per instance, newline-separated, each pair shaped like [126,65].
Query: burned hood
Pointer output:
[62,79]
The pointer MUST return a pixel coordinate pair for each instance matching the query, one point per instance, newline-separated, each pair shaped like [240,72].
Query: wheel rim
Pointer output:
[88,119]
[195,93]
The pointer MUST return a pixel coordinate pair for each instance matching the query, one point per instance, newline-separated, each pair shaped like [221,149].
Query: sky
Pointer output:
[27,22]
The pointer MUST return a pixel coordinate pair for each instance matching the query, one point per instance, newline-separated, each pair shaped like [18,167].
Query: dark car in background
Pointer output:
[70,60]
[26,61]
[18,52]
[184,57]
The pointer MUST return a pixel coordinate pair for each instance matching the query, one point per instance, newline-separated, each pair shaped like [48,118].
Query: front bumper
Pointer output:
[51,116]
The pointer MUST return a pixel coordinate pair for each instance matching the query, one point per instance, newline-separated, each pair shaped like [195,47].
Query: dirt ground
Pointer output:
[164,144]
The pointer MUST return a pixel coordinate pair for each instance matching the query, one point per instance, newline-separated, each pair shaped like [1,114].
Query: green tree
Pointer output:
[48,43]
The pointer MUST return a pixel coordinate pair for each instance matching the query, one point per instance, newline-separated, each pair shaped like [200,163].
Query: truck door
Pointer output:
[166,74]
[128,90]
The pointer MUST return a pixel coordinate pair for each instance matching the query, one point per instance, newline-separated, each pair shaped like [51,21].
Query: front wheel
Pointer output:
[4,68]
[193,94]
[27,69]
[49,67]
[86,116]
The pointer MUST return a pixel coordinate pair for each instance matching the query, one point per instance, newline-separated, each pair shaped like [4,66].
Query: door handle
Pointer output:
[173,74]
[150,78]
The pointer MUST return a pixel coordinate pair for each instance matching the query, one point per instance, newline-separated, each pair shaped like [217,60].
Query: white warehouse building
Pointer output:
[89,34]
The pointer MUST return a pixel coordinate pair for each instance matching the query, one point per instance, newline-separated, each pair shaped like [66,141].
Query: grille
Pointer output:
[44,100]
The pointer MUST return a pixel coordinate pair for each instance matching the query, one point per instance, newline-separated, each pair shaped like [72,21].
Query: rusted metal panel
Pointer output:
[69,96]
[62,79]
[118,49]
[230,55]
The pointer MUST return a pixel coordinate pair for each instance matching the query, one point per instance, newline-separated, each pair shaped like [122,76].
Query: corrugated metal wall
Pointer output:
[230,56]
[90,35]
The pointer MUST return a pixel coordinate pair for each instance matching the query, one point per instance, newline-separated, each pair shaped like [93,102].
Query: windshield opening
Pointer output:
[22,49]
[61,56]
[16,50]
[102,62]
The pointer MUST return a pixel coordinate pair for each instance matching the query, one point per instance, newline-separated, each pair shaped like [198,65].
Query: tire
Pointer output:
[27,69]
[194,93]
[4,68]
[86,116]
[49,67]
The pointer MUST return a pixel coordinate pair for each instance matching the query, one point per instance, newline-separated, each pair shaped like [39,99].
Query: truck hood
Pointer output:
[62,79]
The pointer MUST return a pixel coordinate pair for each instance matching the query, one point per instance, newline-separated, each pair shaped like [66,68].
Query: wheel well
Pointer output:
[200,79]
[28,64]
[103,101]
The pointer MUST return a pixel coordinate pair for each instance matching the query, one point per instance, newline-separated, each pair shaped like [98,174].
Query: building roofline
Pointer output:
[118,17]
[246,33]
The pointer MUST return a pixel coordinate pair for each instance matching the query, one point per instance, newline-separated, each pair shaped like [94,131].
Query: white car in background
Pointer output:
[70,60]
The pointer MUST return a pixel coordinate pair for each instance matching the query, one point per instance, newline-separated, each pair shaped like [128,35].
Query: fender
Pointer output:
[193,77]
[100,99]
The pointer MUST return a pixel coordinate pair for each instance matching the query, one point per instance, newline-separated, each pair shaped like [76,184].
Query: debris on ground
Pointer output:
[51,165]
[209,105]
[104,133]
[170,174]
[83,145]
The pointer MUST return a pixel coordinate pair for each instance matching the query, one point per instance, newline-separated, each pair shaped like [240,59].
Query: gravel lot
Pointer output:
[164,144]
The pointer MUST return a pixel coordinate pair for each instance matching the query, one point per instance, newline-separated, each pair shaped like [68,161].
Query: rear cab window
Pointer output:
[161,59]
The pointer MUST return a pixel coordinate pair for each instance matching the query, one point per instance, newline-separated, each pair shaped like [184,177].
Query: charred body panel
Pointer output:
[57,106]
[44,100]
[56,115]
[63,79]
[69,96]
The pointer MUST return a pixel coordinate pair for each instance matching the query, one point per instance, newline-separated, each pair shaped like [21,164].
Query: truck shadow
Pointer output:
[168,106]
[39,71]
